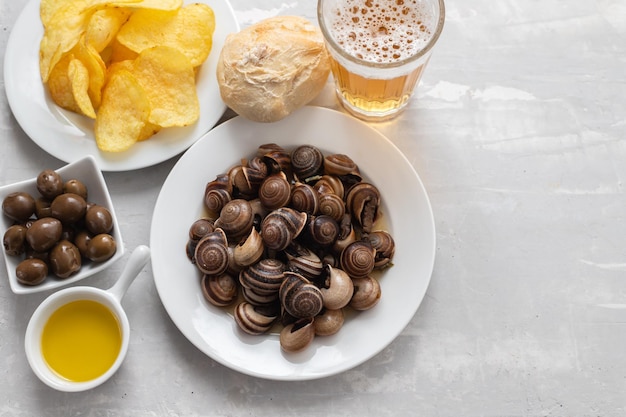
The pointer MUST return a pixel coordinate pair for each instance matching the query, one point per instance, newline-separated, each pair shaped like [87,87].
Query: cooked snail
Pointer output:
[367,293]
[299,297]
[253,319]
[220,290]
[307,162]
[295,337]
[236,219]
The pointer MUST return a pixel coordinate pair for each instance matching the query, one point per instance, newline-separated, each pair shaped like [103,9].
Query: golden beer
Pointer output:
[378,50]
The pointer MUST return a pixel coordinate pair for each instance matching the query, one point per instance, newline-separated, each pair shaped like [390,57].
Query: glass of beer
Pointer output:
[378,50]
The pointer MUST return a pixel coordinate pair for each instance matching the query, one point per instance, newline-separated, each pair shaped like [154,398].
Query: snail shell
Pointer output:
[275,191]
[304,198]
[236,219]
[259,299]
[268,148]
[367,293]
[220,290]
[257,170]
[385,247]
[339,164]
[276,158]
[200,228]
[307,161]
[357,259]
[363,201]
[332,205]
[215,200]
[211,253]
[304,261]
[346,235]
[250,250]
[323,230]
[299,297]
[242,187]
[330,184]
[216,194]
[328,322]
[338,290]
[296,336]
[265,276]
[254,320]
[281,226]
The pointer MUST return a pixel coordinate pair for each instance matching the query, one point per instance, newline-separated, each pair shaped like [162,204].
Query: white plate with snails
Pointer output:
[406,215]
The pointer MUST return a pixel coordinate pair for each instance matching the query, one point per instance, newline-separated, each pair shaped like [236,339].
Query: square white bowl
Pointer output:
[87,171]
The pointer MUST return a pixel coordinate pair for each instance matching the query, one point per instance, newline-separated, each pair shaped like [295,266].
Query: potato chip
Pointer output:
[149,130]
[65,21]
[95,66]
[78,75]
[60,36]
[103,26]
[169,80]
[49,8]
[123,114]
[59,85]
[190,29]
[121,53]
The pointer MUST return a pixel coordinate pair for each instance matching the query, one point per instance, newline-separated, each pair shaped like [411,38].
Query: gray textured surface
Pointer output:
[519,134]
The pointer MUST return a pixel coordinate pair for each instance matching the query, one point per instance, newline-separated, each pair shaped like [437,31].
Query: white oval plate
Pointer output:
[69,136]
[407,213]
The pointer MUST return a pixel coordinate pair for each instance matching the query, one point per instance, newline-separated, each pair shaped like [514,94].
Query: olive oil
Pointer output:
[81,340]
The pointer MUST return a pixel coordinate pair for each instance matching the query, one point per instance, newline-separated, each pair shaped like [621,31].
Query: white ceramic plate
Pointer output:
[87,171]
[406,209]
[68,136]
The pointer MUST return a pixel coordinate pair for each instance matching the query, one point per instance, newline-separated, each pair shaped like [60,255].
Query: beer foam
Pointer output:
[382,31]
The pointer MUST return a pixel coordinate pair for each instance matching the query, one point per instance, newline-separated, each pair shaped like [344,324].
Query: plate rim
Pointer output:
[296,376]
[57,131]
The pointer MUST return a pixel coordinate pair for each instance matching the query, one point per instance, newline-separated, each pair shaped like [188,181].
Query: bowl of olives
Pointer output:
[58,228]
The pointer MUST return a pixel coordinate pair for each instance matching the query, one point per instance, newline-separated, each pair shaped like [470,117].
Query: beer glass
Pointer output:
[378,50]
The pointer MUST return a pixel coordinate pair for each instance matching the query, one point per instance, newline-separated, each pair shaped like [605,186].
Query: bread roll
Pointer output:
[272,68]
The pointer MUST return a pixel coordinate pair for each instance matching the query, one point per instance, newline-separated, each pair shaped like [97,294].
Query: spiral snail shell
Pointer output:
[276,158]
[328,322]
[307,162]
[338,290]
[332,205]
[305,198]
[249,250]
[296,336]
[367,293]
[216,194]
[323,230]
[253,319]
[363,201]
[357,259]
[339,164]
[385,247]
[299,297]
[219,290]
[265,276]
[330,184]
[236,219]
[275,191]
[304,261]
[211,253]
[281,226]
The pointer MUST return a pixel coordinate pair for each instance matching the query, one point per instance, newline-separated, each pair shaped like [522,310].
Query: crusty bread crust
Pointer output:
[272,68]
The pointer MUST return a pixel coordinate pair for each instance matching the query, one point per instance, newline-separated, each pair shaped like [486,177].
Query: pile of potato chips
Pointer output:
[128,64]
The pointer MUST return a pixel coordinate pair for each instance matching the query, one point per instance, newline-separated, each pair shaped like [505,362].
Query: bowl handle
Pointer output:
[136,262]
